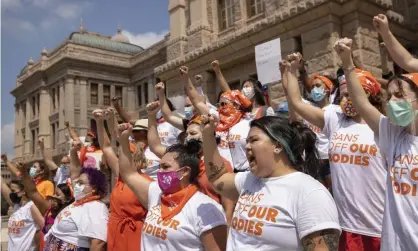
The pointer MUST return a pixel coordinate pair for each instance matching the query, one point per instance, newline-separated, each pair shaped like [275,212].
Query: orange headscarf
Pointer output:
[324,79]
[412,76]
[368,82]
[228,114]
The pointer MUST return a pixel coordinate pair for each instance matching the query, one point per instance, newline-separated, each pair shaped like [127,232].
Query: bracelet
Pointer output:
[350,68]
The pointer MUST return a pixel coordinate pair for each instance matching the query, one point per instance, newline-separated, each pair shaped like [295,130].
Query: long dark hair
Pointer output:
[296,140]
[67,193]
[258,90]
[187,156]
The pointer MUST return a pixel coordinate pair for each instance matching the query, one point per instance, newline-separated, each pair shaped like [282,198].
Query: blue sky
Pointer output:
[27,26]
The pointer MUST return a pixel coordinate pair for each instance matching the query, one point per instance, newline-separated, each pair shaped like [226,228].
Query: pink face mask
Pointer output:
[168,182]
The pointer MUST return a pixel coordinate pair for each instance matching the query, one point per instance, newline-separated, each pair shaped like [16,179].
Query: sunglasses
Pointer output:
[222,104]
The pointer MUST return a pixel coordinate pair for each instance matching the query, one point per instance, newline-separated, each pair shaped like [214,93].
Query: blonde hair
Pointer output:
[138,157]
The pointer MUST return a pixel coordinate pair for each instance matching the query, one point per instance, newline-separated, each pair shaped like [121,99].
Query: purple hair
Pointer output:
[96,179]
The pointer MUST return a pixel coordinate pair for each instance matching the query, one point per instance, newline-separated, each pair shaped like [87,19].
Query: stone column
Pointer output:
[61,109]
[27,129]
[124,95]
[209,86]
[44,125]
[131,97]
[17,132]
[83,107]
[100,94]
[178,44]
[69,100]
[112,91]
[199,32]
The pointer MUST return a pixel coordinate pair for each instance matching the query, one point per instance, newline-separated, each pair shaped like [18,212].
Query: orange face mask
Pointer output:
[228,117]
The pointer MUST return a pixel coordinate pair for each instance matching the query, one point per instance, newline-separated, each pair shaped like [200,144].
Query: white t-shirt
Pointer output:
[168,134]
[277,213]
[153,163]
[62,175]
[22,229]
[183,231]
[77,224]
[237,138]
[358,173]
[400,222]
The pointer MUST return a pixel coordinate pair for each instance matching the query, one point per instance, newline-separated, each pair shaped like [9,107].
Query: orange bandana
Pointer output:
[228,114]
[368,82]
[324,79]
[172,204]
[86,200]
[412,76]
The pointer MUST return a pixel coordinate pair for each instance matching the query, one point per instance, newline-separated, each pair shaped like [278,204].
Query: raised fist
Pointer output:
[215,66]
[125,130]
[381,24]
[115,101]
[295,60]
[76,145]
[153,107]
[41,142]
[4,157]
[209,121]
[343,49]
[184,71]
[160,88]
[66,123]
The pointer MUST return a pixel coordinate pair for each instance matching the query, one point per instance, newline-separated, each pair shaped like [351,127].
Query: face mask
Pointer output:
[188,112]
[87,144]
[159,115]
[348,108]
[15,198]
[168,182]
[32,172]
[317,94]
[79,192]
[401,112]
[248,92]
[194,143]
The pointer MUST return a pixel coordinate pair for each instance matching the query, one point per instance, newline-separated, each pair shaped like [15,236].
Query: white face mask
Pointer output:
[79,192]
[159,115]
[248,92]
[87,144]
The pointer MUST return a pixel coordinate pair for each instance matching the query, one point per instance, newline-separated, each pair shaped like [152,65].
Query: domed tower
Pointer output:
[119,37]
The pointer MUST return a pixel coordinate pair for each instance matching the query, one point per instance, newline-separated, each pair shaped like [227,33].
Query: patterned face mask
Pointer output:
[348,108]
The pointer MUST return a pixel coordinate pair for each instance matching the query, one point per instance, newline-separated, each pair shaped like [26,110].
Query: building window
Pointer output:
[33,142]
[146,93]
[94,93]
[54,136]
[139,94]
[118,93]
[53,99]
[226,13]
[58,95]
[255,7]
[33,106]
[38,99]
[106,94]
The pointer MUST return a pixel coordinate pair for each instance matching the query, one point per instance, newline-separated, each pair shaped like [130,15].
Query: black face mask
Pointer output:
[194,144]
[15,198]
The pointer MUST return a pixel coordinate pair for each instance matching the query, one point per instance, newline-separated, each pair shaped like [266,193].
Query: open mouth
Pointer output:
[251,160]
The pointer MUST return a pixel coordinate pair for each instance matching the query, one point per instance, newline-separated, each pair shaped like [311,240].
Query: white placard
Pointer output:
[267,58]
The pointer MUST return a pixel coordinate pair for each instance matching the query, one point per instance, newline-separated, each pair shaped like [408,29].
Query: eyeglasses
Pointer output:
[221,104]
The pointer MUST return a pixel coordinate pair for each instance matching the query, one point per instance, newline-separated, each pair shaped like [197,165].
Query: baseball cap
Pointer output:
[140,124]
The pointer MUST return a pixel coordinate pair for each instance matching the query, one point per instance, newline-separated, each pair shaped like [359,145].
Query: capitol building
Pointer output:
[87,69]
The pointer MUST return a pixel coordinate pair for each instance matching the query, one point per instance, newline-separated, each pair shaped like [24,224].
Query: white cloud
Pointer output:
[144,39]
[8,139]
[69,10]
[10,4]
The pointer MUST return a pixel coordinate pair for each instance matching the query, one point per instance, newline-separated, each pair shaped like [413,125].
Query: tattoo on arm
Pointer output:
[215,170]
[220,186]
[328,238]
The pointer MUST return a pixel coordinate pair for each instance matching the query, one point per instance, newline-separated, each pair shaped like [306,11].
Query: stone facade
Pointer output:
[73,79]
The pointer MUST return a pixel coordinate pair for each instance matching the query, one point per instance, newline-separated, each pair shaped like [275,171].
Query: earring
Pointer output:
[277,150]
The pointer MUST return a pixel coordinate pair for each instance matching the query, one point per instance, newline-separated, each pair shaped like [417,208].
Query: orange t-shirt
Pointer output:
[45,188]
[204,184]
[126,219]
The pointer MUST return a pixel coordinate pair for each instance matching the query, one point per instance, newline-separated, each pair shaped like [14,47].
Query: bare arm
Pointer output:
[356,92]
[5,191]
[122,113]
[73,134]
[112,123]
[154,140]
[97,245]
[104,141]
[138,184]
[220,77]
[218,176]
[398,53]
[174,120]
[293,116]
[229,207]
[215,239]
[75,165]
[32,193]
[194,96]
[325,240]
[37,216]
[47,156]
[313,115]
[10,166]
